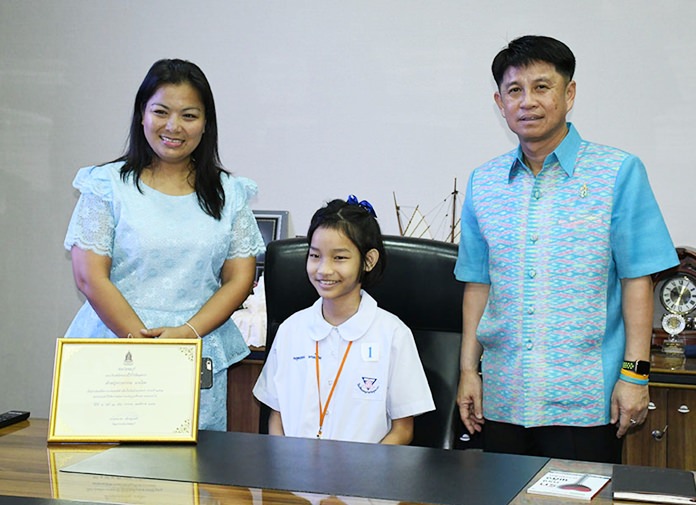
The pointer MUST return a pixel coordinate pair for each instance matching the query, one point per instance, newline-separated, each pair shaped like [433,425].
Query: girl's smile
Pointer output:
[334,267]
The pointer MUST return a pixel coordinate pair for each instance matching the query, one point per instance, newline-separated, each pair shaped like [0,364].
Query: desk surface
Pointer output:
[29,468]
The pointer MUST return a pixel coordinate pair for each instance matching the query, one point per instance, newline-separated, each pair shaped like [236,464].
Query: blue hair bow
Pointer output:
[353,200]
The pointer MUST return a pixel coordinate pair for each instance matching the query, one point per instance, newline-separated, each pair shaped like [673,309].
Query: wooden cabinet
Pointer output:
[668,436]
[242,407]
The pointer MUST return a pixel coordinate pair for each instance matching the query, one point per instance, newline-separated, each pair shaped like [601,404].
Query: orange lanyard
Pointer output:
[322,411]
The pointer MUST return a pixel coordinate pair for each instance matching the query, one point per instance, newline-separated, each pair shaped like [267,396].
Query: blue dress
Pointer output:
[167,255]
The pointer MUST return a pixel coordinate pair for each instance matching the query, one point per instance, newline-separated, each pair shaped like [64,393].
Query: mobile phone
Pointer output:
[206,373]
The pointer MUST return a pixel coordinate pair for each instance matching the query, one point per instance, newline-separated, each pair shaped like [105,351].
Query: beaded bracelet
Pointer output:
[634,378]
[194,329]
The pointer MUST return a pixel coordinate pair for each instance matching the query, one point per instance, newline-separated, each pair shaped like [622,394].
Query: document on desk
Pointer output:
[121,390]
[583,486]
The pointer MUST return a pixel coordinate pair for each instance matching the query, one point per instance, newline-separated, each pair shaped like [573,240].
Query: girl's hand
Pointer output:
[182,331]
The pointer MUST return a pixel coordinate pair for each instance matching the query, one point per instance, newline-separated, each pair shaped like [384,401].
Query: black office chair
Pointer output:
[419,287]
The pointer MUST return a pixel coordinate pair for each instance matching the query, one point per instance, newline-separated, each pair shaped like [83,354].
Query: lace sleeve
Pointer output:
[92,225]
[247,240]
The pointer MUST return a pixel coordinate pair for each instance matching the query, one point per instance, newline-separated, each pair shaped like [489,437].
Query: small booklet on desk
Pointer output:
[653,485]
[572,485]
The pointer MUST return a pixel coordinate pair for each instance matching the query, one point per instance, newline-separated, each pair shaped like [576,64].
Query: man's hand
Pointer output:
[470,401]
[629,406]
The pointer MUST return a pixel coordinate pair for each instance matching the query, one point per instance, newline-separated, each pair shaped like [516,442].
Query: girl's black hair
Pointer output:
[357,222]
[205,158]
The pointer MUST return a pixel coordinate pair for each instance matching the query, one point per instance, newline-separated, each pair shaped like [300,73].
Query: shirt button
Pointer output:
[530,310]
[534,237]
[532,273]
[530,345]
[537,194]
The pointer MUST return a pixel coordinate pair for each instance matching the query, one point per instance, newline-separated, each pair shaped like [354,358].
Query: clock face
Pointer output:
[678,294]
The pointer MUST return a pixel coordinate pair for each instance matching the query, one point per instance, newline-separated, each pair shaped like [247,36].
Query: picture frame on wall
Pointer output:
[273,225]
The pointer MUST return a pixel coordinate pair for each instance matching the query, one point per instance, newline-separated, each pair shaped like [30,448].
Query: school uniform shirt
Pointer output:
[382,378]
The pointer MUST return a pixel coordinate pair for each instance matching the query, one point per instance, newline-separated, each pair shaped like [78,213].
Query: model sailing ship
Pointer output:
[440,223]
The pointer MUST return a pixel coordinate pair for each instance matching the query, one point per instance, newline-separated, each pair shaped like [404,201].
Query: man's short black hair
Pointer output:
[529,49]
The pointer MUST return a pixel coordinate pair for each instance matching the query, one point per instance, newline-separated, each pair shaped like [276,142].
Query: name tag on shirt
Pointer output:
[370,352]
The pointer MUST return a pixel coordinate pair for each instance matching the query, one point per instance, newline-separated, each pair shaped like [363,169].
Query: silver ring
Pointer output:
[633,421]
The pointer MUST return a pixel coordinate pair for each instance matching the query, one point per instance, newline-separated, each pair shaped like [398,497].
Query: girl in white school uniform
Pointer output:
[344,369]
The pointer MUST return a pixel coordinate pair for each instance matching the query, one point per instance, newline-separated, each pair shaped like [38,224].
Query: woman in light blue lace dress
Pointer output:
[163,242]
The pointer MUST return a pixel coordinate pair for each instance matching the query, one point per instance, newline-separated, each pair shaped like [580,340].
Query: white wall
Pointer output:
[316,99]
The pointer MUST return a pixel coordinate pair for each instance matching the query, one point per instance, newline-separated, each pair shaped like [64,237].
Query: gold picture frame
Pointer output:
[125,390]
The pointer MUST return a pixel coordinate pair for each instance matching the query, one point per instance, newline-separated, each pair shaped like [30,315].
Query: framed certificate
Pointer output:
[125,390]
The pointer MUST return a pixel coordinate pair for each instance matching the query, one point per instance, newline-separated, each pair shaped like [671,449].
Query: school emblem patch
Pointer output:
[368,385]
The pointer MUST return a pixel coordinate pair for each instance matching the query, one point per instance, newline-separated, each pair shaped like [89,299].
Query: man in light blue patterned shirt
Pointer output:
[559,239]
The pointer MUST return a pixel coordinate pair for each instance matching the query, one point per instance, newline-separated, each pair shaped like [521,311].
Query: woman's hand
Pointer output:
[182,331]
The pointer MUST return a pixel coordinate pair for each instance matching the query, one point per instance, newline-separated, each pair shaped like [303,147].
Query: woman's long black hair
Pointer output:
[205,158]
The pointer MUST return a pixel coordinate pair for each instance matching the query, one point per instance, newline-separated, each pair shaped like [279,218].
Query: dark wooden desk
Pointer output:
[29,468]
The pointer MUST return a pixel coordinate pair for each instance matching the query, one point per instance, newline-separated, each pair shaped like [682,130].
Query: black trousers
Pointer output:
[597,443]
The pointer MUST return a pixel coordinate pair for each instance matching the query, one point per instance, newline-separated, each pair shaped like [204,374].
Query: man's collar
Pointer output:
[565,153]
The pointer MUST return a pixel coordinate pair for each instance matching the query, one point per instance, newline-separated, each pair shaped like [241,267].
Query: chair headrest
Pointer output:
[418,284]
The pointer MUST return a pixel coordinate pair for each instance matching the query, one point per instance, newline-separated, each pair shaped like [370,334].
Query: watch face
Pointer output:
[678,294]
[642,367]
